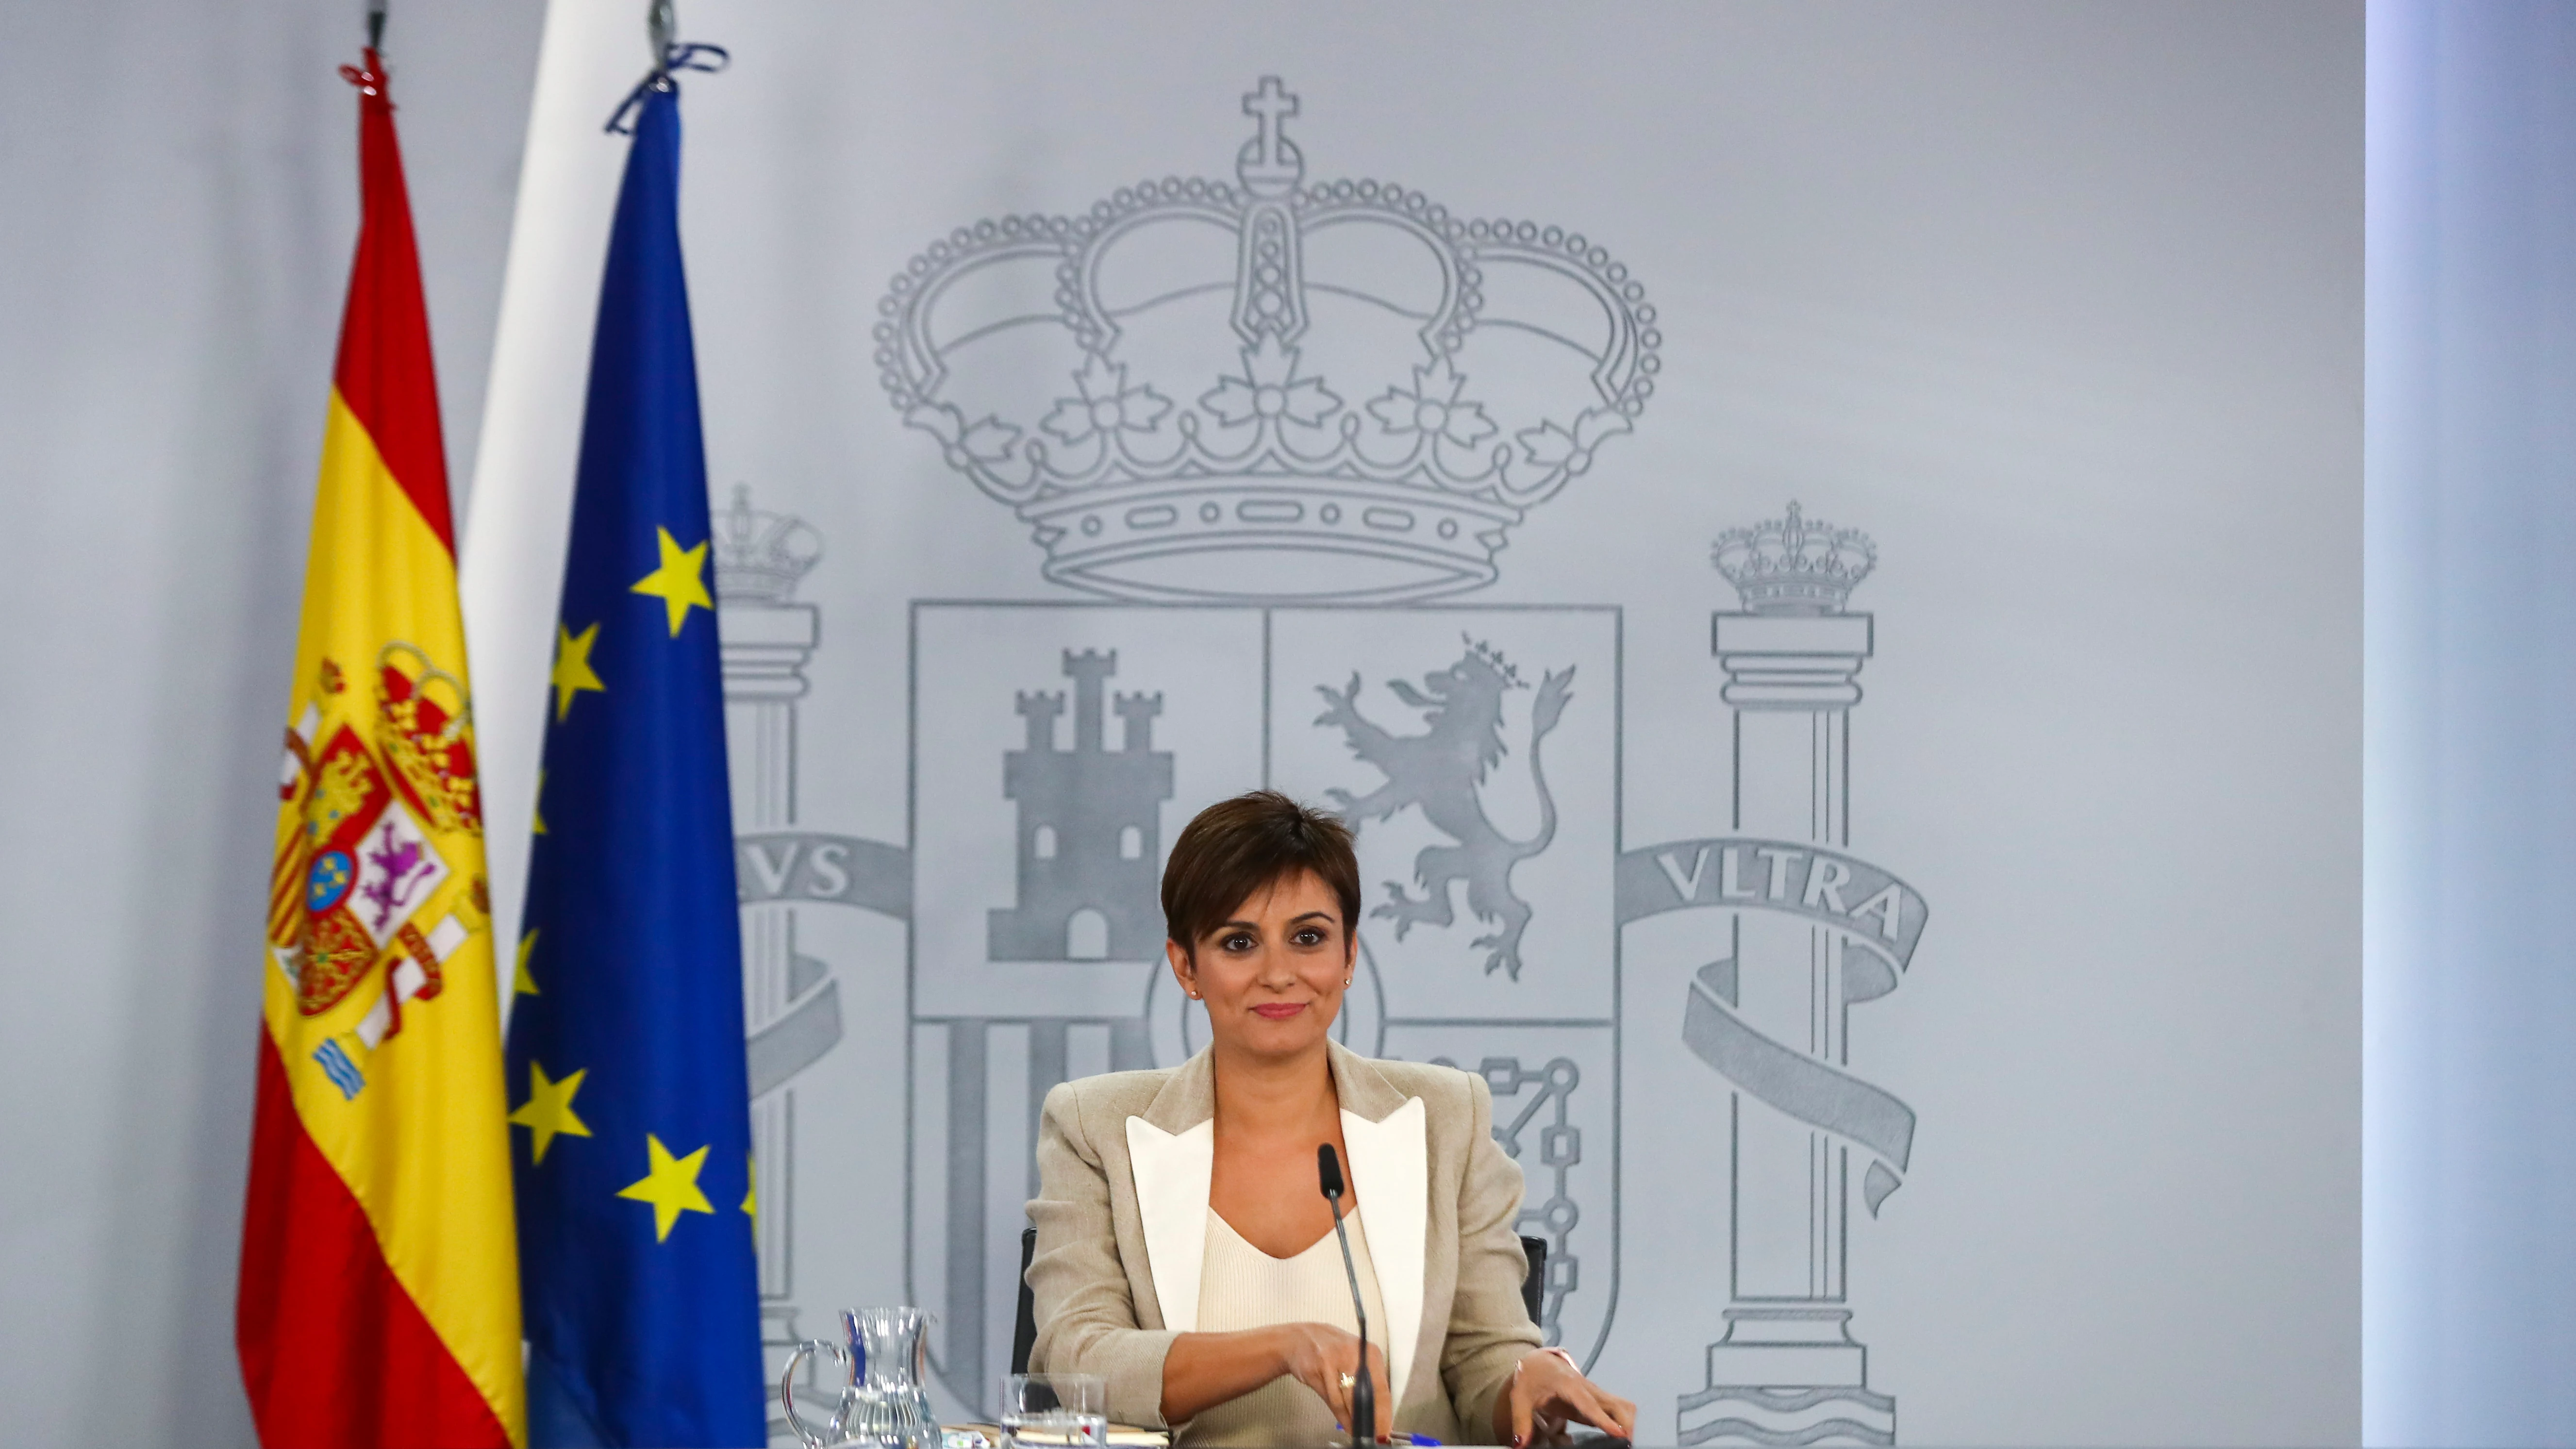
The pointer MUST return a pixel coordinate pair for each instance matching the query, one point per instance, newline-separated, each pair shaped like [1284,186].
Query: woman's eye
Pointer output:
[1310,937]
[1238,943]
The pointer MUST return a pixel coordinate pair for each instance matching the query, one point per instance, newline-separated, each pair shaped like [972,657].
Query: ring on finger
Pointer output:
[1350,1381]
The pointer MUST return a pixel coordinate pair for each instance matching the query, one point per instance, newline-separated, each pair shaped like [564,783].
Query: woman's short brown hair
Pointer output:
[1236,847]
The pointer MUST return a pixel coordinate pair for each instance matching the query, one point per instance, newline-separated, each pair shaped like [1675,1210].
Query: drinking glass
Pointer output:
[1055,1411]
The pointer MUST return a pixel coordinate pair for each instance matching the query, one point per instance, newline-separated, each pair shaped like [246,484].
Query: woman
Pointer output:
[1185,1251]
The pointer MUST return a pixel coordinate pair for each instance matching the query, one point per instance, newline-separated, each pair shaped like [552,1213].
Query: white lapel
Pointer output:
[1391,1168]
[1173,1171]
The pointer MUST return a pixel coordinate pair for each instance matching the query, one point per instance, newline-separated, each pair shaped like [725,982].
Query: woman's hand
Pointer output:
[1547,1393]
[1320,1356]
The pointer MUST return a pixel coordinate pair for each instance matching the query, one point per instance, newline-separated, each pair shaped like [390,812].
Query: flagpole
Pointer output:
[661,27]
[662,30]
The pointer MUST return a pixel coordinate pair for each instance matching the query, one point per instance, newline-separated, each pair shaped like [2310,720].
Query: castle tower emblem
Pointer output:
[1090,848]
[1268,389]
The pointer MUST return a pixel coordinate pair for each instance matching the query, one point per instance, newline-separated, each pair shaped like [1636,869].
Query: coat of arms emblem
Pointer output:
[376,786]
[1279,431]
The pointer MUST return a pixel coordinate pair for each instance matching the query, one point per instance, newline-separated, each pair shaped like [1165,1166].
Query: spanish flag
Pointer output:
[379,1279]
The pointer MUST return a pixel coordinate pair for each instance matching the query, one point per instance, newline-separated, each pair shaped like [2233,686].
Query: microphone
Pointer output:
[1328,1168]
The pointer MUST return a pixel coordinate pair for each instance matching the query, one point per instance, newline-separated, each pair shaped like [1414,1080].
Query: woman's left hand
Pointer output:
[1547,1393]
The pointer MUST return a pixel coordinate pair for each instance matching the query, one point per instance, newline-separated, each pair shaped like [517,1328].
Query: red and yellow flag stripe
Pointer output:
[379,1291]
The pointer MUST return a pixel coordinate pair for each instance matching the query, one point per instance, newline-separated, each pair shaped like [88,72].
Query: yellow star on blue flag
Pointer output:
[679,581]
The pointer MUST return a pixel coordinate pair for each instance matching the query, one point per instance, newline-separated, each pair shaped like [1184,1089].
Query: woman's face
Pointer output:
[1272,974]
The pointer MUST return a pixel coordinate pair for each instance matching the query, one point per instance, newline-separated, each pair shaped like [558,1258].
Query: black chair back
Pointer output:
[1024,1330]
[1534,1282]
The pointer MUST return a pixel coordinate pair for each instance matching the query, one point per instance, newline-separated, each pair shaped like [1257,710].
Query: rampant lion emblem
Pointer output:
[1440,770]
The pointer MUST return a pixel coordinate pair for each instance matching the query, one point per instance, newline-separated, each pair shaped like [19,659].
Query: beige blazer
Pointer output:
[1124,1162]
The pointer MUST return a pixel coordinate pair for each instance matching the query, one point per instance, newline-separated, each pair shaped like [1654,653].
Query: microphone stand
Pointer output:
[1363,1394]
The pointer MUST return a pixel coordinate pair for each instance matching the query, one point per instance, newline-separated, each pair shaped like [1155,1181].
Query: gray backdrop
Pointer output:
[2057,306]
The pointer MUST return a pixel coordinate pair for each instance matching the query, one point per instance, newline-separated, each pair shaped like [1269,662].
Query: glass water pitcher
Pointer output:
[887,1403]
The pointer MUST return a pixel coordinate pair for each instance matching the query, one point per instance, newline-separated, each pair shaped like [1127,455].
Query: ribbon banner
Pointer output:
[1873,910]
[806,867]
[1879,913]
[1811,1091]
[841,870]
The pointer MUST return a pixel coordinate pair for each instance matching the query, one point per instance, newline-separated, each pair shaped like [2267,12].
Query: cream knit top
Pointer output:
[1241,1287]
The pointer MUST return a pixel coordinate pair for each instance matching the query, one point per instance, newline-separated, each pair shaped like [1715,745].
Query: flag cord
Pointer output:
[368,75]
[669,55]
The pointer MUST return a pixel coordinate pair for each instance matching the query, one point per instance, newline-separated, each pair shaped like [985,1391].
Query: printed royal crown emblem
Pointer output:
[425,726]
[1268,390]
[1792,566]
[760,556]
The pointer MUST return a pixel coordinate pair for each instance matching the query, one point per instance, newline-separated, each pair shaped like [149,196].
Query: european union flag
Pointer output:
[626,1061]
